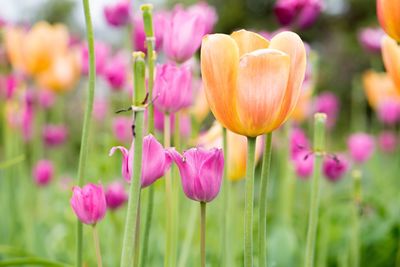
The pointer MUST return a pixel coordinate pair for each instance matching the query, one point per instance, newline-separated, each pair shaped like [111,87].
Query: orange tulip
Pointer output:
[13,43]
[252,85]
[378,87]
[389,17]
[303,107]
[391,58]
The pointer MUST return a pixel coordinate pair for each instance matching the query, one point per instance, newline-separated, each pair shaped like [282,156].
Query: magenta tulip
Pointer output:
[102,53]
[27,116]
[201,172]
[89,203]
[122,128]
[361,146]
[43,172]
[298,142]
[335,167]
[387,142]
[370,39]
[328,103]
[389,112]
[116,195]
[155,161]
[117,14]
[304,164]
[54,135]
[207,13]
[115,72]
[300,13]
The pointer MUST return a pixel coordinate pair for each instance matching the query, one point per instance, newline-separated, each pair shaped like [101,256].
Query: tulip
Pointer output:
[116,195]
[201,172]
[389,112]
[334,168]
[122,128]
[302,13]
[252,85]
[298,143]
[11,85]
[13,43]
[172,88]
[391,58]
[387,141]
[361,146]
[89,203]
[115,72]
[43,172]
[200,108]
[328,103]
[102,53]
[207,13]
[155,161]
[117,14]
[46,98]
[388,12]
[27,116]
[370,39]
[183,33]
[54,135]
[304,164]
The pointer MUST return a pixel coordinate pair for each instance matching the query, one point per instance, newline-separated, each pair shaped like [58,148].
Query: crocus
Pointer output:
[155,161]
[304,164]
[207,13]
[201,172]
[389,112]
[361,146]
[117,14]
[370,39]
[387,141]
[122,128]
[115,72]
[116,195]
[252,85]
[43,172]
[183,33]
[328,103]
[335,167]
[391,58]
[89,203]
[388,12]
[54,135]
[102,53]
[301,13]
[172,87]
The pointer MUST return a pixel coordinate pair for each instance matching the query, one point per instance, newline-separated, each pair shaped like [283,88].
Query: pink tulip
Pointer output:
[100,107]
[304,164]
[46,98]
[89,203]
[300,13]
[183,34]
[116,195]
[11,84]
[102,52]
[298,142]
[335,167]
[207,13]
[27,117]
[387,141]
[155,161]
[328,103]
[201,172]
[361,146]
[54,135]
[389,112]
[172,88]
[117,14]
[43,172]
[115,72]
[370,39]
[122,128]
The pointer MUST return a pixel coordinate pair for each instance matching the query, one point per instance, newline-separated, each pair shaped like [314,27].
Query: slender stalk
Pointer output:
[203,233]
[249,199]
[97,246]
[136,252]
[355,237]
[262,220]
[129,244]
[86,120]
[147,226]
[175,193]
[225,203]
[319,149]
[168,195]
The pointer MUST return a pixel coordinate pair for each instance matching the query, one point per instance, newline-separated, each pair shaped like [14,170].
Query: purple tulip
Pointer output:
[43,172]
[201,172]
[102,53]
[328,103]
[300,13]
[387,141]
[117,14]
[183,34]
[172,88]
[155,161]
[207,13]
[389,112]
[361,146]
[116,195]
[370,39]
[115,72]
[54,135]
[335,168]
[298,142]
[89,203]
[304,164]
[122,128]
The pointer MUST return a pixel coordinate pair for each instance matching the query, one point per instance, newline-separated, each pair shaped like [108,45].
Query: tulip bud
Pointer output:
[387,141]
[89,203]
[201,172]
[116,195]
[117,14]
[43,172]
[361,146]
[335,168]
[54,135]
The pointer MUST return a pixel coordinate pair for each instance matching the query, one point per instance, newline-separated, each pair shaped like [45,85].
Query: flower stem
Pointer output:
[86,119]
[225,204]
[129,246]
[203,233]
[97,246]
[249,199]
[319,148]
[355,238]
[168,195]
[147,226]
[263,201]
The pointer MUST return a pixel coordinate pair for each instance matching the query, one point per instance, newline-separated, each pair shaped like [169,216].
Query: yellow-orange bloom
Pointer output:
[378,87]
[14,42]
[200,108]
[388,12]
[391,58]
[252,85]
[303,106]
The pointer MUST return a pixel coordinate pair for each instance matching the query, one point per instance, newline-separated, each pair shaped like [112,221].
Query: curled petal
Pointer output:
[249,41]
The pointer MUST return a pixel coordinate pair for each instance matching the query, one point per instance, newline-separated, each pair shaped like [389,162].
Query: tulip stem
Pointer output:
[203,233]
[319,149]
[355,238]
[265,173]
[225,203]
[249,199]
[97,246]
[147,226]
[168,194]
[86,120]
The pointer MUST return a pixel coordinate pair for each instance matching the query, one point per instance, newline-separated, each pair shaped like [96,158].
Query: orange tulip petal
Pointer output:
[291,44]
[219,67]
[249,41]
[262,82]
[389,17]
[391,58]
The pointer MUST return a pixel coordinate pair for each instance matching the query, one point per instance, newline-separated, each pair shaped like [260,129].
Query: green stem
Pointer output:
[319,149]
[129,244]
[147,226]
[175,193]
[97,246]
[86,120]
[355,237]
[32,261]
[225,203]
[136,252]
[262,220]
[249,199]
[168,195]
[203,233]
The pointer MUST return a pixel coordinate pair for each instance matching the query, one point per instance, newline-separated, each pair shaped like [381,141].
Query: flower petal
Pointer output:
[391,58]
[249,41]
